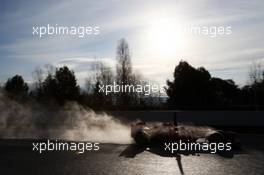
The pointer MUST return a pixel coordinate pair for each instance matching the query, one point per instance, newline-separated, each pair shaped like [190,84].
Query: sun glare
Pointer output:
[165,36]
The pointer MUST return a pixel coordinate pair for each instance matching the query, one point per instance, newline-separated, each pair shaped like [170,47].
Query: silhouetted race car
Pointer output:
[152,134]
[162,138]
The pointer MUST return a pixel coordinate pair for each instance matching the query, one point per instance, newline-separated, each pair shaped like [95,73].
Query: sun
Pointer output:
[165,36]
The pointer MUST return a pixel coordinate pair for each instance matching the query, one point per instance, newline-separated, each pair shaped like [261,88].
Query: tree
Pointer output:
[16,87]
[98,97]
[67,87]
[195,89]
[124,66]
[225,92]
[103,77]
[49,88]
[256,73]
[38,77]
[190,87]
[124,75]
[62,86]
[254,93]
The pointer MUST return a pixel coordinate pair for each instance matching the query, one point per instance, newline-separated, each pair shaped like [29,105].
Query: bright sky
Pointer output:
[154,29]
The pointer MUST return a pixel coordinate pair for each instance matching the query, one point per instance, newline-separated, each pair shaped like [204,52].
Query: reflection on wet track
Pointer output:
[18,158]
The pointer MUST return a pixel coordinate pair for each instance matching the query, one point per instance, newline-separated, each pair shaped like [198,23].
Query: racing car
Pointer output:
[153,134]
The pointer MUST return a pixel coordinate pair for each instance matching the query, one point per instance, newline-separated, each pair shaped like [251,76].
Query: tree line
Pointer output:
[195,89]
[54,86]
[191,88]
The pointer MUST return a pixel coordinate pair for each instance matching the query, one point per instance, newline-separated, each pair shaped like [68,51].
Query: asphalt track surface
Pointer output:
[17,157]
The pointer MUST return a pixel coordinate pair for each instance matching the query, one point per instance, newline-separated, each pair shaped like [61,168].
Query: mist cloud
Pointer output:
[70,122]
